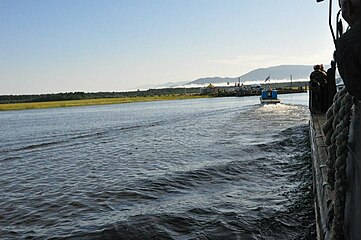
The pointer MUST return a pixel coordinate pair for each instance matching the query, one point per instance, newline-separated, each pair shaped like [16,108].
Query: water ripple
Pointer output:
[195,169]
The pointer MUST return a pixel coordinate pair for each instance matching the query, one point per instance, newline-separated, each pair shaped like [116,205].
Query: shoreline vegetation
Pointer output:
[77,99]
[94,102]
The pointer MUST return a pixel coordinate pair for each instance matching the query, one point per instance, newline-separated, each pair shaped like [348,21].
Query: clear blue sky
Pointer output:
[49,46]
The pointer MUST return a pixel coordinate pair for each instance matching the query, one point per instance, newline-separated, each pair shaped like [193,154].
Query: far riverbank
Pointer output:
[75,99]
[93,102]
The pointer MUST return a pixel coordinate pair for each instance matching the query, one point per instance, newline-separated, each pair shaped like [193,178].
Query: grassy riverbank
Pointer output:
[92,102]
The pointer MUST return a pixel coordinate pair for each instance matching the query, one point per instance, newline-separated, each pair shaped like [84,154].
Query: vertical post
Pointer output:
[291,80]
[330,22]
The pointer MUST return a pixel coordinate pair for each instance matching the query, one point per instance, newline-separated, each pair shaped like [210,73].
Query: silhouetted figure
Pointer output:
[348,48]
[324,90]
[331,83]
[318,90]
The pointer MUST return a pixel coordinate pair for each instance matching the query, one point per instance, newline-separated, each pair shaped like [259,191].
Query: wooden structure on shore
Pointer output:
[242,91]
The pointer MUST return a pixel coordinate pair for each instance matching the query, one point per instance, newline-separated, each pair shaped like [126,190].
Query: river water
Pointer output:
[218,168]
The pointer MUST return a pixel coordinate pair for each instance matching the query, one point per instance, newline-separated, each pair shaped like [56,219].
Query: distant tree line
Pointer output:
[83,95]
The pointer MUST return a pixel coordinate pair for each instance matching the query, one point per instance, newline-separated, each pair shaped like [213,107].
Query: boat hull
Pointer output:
[269,96]
[270,101]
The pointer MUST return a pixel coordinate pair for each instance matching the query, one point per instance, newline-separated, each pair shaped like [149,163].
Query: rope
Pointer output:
[336,130]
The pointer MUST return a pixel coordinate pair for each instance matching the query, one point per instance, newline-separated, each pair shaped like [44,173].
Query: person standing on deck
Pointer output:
[331,83]
[317,90]
[324,90]
[348,48]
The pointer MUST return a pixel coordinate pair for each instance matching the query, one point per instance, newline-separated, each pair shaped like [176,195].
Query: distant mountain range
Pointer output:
[282,72]
[260,74]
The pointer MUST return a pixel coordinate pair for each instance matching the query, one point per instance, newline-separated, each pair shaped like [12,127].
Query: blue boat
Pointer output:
[269,96]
